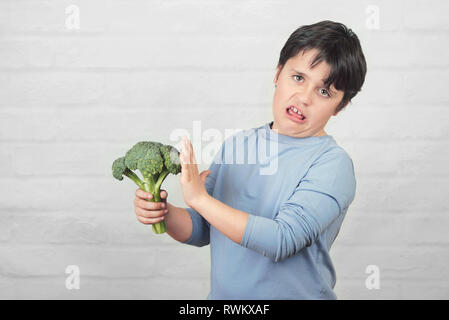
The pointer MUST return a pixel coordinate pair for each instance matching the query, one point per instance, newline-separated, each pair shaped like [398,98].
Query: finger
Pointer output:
[147,205]
[183,164]
[149,220]
[150,214]
[184,161]
[191,168]
[185,153]
[204,175]
[163,194]
[188,151]
[191,153]
[143,194]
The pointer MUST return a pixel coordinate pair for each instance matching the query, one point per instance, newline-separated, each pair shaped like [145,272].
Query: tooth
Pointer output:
[294,109]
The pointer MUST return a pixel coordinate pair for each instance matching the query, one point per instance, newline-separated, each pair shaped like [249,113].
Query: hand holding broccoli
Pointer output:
[154,161]
[150,212]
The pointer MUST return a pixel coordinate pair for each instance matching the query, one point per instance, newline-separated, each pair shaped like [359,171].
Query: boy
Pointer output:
[270,235]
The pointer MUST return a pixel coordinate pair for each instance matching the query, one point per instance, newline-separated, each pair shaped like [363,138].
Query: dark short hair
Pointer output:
[339,47]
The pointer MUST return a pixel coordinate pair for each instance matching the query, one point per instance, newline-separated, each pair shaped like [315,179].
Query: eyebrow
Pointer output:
[307,76]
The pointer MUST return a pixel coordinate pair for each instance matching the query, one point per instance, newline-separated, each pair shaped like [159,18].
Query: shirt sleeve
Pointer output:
[326,191]
[200,226]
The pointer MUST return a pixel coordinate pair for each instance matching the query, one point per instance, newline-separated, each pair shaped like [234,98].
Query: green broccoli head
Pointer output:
[151,162]
[135,153]
[171,159]
[118,168]
[154,161]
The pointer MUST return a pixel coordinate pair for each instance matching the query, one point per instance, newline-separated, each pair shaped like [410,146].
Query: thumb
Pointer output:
[163,194]
[204,174]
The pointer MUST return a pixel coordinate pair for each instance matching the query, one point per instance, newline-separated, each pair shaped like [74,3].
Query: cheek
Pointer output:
[322,117]
[276,101]
[280,98]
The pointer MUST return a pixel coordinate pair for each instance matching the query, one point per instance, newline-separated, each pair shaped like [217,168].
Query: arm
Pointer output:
[197,231]
[320,197]
[179,223]
[229,221]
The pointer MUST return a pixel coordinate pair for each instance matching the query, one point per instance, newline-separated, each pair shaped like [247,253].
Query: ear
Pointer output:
[341,108]
[276,76]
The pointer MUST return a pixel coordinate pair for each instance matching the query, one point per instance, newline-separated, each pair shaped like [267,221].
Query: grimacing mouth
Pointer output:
[292,106]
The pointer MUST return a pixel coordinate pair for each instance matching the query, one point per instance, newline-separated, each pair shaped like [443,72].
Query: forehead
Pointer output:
[302,63]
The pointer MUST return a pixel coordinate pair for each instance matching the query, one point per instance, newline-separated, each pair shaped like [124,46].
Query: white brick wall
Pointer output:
[71,101]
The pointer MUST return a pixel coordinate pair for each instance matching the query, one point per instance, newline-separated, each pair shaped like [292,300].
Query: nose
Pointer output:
[305,95]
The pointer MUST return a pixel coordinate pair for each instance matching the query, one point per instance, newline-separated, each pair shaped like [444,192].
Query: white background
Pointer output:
[73,100]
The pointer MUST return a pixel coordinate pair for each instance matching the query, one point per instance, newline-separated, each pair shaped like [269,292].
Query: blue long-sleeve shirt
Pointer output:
[296,192]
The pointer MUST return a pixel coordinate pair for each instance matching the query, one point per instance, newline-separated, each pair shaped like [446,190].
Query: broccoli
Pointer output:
[155,161]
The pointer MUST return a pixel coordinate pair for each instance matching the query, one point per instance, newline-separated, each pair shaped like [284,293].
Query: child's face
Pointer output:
[302,87]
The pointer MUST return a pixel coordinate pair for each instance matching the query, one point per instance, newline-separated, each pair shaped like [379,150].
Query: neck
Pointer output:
[274,128]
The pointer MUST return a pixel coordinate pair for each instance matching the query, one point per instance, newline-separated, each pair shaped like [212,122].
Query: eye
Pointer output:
[297,76]
[325,92]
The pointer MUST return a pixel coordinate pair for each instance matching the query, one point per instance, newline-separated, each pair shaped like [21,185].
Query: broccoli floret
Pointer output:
[154,161]
[135,153]
[171,159]
[119,169]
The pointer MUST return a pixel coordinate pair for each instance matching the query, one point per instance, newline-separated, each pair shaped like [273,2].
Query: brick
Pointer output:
[119,228]
[104,288]
[25,53]
[78,88]
[104,124]
[396,261]
[392,290]
[29,16]
[390,16]
[104,262]
[411,124]
[400,194]
[431,87]
[40,17]
[403,157]
[382,87]
[375,229]
[422,15]
[211,17]
[404,50]
[51,194]
[44,90]
[399,87]
[139,51]
[191,88]
[74,194]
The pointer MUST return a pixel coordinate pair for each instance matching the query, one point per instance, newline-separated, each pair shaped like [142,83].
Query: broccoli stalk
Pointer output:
[155,162]
[152,184]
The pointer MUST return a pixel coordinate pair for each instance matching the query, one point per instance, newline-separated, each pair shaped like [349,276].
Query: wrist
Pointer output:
[169,207]
[199,203]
